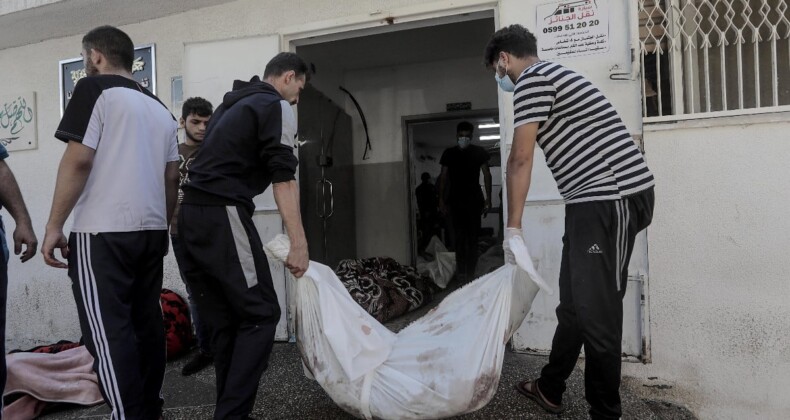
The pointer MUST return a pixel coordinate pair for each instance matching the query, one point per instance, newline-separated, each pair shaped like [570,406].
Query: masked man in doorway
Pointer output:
[249,145]
[608,191]
[195,114]
[461,198]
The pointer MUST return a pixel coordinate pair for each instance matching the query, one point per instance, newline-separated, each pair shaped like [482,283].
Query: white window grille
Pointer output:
[714,56]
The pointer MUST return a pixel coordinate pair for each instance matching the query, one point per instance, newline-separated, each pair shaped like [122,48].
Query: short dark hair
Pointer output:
[284,62]
[465,126]
[425,176]
[514,39]
[116,46]
[197,106]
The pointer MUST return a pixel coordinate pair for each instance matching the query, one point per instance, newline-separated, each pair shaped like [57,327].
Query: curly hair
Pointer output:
[515,40]
[197,106]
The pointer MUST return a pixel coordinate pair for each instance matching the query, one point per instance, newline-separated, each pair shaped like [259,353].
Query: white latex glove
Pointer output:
[510,258]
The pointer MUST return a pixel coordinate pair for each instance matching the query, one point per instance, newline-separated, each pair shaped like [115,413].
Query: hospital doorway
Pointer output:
[356,166]
[430,138]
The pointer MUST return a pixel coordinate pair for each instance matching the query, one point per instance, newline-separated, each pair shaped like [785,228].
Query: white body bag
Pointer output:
[444,364]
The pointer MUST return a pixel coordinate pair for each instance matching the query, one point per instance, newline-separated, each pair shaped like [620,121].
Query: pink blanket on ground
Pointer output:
[65,377]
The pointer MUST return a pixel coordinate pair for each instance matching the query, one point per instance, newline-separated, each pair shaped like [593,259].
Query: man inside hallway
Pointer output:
[461,198]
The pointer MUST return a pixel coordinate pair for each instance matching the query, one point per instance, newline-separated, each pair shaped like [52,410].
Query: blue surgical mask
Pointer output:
[505,83]
[463,142]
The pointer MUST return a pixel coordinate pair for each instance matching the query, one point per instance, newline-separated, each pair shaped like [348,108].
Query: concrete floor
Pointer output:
[285,393]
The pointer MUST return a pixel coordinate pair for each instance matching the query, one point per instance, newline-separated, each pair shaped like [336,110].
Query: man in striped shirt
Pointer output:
[608,191]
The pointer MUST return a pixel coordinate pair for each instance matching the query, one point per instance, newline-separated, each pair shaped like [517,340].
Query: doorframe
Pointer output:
[378,22]
[408,158]
[383,21]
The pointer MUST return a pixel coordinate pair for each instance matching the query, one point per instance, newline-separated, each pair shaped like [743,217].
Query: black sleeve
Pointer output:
[77,116]
[445,159]
[277,132]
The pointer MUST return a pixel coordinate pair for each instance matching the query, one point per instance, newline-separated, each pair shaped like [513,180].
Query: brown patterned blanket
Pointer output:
[385,288]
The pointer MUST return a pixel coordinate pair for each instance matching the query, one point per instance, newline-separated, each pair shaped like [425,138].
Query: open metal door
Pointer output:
[326,171]
[209,71]
[597,38]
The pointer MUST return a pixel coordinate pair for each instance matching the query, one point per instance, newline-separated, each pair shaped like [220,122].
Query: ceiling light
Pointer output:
[485,138]
[489,125]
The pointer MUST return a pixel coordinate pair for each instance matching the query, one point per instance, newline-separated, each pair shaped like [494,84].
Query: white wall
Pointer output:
[386,95]
[11,6]
[719,282]
[719,266]
[40,304]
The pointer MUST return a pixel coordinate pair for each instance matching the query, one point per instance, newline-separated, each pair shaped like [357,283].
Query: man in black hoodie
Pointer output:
[249,144]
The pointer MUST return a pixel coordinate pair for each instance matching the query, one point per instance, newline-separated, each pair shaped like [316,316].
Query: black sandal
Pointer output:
[537,396]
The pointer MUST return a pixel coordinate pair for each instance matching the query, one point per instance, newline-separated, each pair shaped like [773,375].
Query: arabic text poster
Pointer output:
[18,121]
[572,28]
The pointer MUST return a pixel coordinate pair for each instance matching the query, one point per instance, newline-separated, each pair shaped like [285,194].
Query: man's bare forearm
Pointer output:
[11,196]
[519,176]
[519,171]
[286,195]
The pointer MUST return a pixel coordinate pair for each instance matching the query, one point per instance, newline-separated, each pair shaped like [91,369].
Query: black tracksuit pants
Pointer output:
[599,238]
[228,274]
[466,218]
[117,281]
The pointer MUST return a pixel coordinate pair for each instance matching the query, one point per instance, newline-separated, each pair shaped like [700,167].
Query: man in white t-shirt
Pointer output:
[119,175]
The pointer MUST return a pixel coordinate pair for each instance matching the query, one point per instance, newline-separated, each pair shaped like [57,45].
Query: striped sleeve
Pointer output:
[533,99]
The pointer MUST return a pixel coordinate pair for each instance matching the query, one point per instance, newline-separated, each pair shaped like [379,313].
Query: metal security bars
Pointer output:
[713,56]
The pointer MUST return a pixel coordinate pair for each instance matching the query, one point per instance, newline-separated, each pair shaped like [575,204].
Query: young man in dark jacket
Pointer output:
[249,144]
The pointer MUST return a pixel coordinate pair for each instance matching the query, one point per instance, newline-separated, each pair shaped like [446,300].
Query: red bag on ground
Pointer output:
[178,325]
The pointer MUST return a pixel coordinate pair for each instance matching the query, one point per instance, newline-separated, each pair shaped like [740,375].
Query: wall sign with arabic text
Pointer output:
[572,28]
[143,70]
[18,121]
